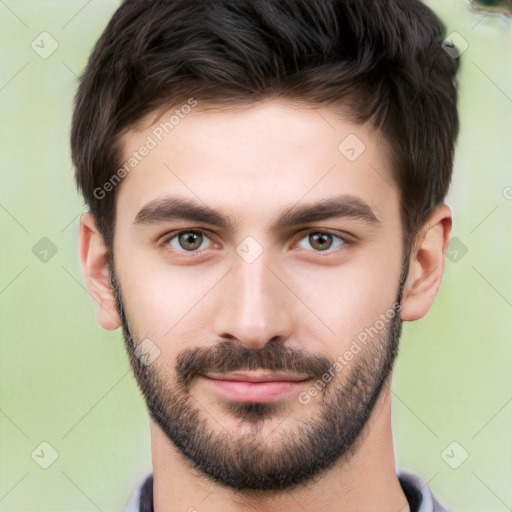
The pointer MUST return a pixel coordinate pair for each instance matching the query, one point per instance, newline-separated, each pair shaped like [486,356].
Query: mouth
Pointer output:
[256,385]
[258,376]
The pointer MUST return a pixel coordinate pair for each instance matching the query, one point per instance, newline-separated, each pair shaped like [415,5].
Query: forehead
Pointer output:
[251,161]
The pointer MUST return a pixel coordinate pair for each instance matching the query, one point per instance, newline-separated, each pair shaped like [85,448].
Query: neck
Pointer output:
[367,481]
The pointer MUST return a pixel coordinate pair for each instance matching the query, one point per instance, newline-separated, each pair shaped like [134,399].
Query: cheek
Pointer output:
[349,298]
[163,302]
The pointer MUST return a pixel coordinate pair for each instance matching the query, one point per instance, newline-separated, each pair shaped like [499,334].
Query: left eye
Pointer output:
[321,241]
[190,241]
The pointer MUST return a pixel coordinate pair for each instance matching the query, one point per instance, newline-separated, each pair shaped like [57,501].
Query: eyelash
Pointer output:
[166,241]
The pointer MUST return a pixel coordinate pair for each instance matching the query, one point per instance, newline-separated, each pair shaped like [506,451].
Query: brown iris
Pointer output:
[320,241]
[190,240]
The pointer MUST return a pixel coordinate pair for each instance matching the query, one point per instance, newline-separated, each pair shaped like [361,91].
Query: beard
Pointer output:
[238,459]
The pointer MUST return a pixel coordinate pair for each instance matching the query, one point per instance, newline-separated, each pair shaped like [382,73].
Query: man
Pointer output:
[266,181]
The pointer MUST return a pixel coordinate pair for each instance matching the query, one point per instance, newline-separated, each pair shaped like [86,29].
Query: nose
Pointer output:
[253,306]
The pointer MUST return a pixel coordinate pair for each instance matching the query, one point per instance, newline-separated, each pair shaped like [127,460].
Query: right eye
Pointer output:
[189,241]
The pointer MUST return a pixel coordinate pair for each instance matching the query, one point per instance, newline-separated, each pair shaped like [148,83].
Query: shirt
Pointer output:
[415,489]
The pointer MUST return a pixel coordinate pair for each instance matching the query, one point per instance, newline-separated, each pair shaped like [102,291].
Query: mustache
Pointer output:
[228,356]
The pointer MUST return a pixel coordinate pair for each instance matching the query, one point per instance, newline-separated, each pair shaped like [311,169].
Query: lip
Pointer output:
[258,376]
[256,386]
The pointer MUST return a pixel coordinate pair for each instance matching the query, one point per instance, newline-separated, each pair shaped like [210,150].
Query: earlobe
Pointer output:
[94,259]
[426,266]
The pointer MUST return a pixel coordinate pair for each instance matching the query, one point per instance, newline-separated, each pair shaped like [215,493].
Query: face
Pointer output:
[257,265]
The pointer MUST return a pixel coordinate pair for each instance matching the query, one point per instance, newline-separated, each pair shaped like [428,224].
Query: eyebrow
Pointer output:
[178,208]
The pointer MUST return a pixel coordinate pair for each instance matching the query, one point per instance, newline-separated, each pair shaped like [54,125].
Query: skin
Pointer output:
[251,164]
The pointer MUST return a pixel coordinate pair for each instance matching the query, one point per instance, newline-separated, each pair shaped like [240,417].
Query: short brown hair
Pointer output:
[380,61]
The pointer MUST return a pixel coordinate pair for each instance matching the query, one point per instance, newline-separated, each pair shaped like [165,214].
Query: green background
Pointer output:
[67,382]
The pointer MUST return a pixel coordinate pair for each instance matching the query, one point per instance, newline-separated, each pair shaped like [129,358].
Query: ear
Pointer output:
[426,264]
[94,258]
